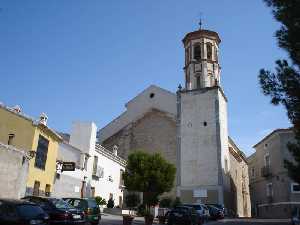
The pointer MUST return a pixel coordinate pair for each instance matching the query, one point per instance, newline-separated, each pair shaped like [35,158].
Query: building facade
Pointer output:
[98,172]
[24,132]
[273,193]
[189,129]
[14,164]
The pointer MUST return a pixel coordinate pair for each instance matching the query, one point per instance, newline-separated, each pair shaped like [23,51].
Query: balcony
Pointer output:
[266,171]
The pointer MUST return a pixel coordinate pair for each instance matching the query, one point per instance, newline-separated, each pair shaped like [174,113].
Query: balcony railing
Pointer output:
[266,171]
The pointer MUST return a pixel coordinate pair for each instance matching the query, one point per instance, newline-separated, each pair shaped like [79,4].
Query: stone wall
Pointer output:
[13,172]
[154,132]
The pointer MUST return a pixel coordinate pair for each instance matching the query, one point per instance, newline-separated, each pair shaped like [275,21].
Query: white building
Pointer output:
[98,170]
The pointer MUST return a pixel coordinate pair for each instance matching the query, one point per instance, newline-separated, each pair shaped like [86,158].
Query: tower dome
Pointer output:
[202,67]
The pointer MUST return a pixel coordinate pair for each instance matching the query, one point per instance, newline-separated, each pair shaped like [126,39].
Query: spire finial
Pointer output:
[200,21]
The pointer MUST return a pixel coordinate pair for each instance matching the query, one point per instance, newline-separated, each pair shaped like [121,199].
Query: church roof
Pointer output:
[151,98]
[201,33]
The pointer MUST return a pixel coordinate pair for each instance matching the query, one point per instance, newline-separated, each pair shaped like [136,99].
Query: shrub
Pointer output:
[100,200]
[165,203]
[110,203]
[132,200]
[176,202]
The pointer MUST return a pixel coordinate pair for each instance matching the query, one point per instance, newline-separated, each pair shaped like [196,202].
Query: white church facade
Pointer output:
[189,128]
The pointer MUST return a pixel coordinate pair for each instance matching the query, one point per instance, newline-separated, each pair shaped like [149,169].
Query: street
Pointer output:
[117,220]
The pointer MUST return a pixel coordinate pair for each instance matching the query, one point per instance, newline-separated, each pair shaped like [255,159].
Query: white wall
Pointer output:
[138,106]
[103,187]
[84,136]
[199,161]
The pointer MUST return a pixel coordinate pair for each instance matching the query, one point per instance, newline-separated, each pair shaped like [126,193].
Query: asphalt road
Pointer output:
[117,220]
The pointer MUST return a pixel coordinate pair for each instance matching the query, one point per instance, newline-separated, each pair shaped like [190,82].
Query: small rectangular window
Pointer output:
[47,190]
[267,160]
[209,51]
[95,165]
[252,172]
[197,52]
[10,139]
[269,190]
[295,188]
[36,188]
[198,81]
[41,153]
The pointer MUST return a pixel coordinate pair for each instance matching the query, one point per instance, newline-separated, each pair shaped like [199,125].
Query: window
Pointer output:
[95,165]
[269,190]
[209,51]
[267,160]
[252,172]
[216,54]
[198,81]
[92,191]
[10,139]
[36,188]
[197,51]
[226,165]
[47,190]
[41,153]
[85,162]
[121,178]
[295,188]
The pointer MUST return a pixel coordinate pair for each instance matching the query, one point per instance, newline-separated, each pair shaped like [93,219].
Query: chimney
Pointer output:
[115,150]
[16,109]
[43,119]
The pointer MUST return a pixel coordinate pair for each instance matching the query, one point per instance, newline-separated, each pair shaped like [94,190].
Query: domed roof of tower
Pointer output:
[201,33]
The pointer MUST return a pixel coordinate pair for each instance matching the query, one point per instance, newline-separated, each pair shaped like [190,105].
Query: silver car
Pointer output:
[201,209]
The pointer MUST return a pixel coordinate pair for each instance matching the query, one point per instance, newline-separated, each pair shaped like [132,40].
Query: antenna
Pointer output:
[200,21]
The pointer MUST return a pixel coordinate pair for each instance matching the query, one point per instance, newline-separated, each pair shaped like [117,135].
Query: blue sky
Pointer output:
[83,60]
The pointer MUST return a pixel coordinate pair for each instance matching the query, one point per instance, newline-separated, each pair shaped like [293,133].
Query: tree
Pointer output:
[110,203]
[132,200]
[150,174]
[100,201]
[283,86]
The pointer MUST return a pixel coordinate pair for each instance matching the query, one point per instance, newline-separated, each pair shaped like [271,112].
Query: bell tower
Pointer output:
[202,67]
[202,134]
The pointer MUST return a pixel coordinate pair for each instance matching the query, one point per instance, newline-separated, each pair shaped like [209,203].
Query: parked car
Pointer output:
[59,211]
[15,212]
[295,217]
[215,213]
[89,206]
[201,209]
[183,215]
[219,206]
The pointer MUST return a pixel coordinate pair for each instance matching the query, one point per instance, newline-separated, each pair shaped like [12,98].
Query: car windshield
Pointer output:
[29,211]
[60,204]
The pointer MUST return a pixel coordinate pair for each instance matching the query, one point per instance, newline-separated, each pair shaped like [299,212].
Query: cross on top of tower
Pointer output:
[200,21]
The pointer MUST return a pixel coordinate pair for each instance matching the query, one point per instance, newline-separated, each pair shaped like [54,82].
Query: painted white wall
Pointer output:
[83,135]
[104,187]
[163,100]
[199,163]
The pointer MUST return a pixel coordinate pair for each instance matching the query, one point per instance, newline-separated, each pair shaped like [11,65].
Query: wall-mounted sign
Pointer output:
[68,166]
[200,193]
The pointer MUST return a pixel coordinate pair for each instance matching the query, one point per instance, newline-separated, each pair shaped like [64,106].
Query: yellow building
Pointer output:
[33,135]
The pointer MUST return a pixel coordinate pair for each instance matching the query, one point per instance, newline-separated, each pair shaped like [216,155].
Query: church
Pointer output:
[190,129]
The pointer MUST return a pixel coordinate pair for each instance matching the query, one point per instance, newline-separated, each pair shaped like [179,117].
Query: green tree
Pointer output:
[132,200]
[283,85]
[100,200]
[150,174]
[110,203]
